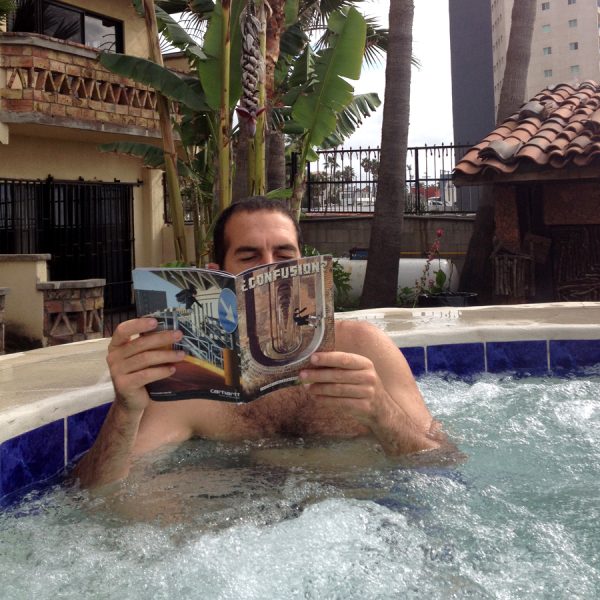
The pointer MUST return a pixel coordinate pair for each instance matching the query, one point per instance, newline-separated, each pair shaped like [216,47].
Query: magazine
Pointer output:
[244,335]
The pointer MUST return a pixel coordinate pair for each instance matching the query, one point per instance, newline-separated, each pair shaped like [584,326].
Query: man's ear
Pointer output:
[213,266]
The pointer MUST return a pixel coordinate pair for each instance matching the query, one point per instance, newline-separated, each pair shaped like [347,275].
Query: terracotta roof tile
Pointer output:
[558,127]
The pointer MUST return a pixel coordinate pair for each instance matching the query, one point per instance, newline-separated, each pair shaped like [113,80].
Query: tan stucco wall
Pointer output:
[36,158]
[149,215]
[24,303]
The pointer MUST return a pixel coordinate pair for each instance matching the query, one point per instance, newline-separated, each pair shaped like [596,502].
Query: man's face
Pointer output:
[258,238]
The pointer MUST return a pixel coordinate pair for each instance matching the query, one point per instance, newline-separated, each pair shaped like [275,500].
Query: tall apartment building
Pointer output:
[564,48]
[471,62]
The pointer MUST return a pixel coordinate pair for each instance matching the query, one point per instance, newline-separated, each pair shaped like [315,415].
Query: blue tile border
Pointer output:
[522,357]
[40,454]
[573,356]
[32,457]
[463,360]
[82,430]
[415,357]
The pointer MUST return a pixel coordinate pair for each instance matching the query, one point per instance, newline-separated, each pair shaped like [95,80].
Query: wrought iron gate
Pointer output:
[86,227]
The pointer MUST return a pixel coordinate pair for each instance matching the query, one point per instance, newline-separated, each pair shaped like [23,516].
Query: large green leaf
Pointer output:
[201,6]
[210,69]
[179,6]
[291,12]
[293,40]
[152,156]
[302,76]
[317,109]
[177,35]
[160,78]
[351,118]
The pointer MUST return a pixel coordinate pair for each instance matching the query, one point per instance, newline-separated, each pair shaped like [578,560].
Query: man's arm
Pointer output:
[368,375]
[134,360]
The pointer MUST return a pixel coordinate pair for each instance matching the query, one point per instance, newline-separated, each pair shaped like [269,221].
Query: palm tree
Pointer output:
[380,287]
[476,275]
[312,16]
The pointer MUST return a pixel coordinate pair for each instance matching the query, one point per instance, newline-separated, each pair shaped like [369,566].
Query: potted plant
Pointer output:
[433,287]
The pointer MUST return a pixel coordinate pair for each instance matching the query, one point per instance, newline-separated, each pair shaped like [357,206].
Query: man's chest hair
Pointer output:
[292,412]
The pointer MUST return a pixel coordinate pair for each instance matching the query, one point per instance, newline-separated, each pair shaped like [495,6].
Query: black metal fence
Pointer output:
[345,181]
[86,227]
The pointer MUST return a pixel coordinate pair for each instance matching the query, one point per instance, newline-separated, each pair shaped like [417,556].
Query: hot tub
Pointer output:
[519,518]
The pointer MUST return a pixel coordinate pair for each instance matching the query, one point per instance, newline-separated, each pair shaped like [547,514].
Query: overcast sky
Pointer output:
[431,92]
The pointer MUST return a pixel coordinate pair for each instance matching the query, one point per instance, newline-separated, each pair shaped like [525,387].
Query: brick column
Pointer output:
[73,310]
[3,292]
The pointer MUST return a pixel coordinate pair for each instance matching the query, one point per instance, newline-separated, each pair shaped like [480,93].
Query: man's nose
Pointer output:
[268,257]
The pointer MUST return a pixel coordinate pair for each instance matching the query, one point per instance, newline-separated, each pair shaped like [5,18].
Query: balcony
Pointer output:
[50,82]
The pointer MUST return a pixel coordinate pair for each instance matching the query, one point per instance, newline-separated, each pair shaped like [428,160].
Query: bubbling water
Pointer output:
[322,519]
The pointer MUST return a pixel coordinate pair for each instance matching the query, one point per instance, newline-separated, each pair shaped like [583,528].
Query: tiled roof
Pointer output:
[558,127]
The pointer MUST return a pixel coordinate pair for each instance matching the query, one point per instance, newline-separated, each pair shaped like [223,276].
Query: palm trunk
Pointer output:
[476,273]
[276,177]
[275,159]
[380,286]
[175,203]
[224,130]
[518,53]
[259,136]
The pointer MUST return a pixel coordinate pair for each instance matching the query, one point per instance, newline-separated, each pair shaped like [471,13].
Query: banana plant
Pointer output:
[320,108]
[215,62]
[327,93]
[162,105]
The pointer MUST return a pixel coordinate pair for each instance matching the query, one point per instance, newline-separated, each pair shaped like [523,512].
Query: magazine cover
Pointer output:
[243,336]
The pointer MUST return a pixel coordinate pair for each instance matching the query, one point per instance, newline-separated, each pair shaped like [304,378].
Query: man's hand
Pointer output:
[352,378]
[351,381]
[134,360]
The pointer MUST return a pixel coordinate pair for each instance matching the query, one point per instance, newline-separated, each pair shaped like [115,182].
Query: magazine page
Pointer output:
[285,313]
[202,304]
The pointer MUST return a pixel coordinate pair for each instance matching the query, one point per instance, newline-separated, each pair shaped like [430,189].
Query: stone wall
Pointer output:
[73,310]
[338,235]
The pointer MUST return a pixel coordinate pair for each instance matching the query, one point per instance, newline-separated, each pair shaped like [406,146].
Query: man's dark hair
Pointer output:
[250,205]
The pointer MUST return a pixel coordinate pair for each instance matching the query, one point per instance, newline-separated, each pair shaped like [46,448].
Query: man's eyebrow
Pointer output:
[287,247]
[244,249]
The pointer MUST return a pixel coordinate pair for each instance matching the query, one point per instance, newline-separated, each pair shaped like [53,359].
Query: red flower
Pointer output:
[439,233]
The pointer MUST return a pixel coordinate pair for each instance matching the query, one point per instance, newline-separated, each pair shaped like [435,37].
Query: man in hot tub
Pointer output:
[364,387]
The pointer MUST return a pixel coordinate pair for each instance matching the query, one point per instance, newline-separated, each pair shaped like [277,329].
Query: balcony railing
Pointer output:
[53,82]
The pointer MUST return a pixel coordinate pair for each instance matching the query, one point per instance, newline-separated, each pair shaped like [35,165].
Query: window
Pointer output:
[575,69]
[572,22]
[69,23]
[547,50]
[545,5]
[573,45]
[571,1]
[547,28]
[547,73]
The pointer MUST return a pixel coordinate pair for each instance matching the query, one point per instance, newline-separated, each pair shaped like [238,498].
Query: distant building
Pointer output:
[564,49]
[472,74]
